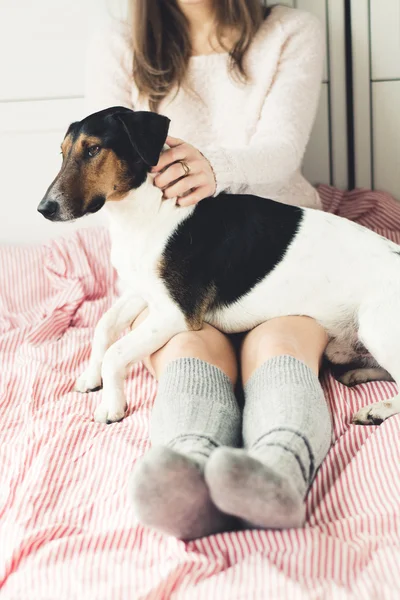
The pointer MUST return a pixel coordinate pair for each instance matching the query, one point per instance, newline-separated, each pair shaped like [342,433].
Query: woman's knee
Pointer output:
[208,344]
[300,337]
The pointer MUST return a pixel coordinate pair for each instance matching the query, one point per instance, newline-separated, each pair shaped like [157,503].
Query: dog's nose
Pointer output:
[48,208]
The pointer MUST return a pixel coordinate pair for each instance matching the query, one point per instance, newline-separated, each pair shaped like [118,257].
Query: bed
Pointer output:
[67,530]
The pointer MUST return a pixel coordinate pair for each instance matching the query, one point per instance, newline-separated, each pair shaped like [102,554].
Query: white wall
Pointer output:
[42,50]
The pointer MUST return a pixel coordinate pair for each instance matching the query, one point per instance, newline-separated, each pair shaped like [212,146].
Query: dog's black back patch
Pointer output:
[227,245]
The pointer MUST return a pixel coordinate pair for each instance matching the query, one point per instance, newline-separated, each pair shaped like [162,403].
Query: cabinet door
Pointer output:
[386,135]
[316,165]
[376,93]
[385,39]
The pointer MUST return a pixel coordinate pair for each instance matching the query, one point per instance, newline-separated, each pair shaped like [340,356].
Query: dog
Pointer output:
[233,261]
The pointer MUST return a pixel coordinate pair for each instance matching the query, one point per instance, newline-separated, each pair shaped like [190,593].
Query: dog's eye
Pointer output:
[93,150]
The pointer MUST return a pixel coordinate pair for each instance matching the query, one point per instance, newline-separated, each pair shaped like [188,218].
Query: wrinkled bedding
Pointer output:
[67,530]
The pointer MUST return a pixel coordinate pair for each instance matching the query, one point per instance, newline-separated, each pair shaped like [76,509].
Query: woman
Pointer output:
[240,84]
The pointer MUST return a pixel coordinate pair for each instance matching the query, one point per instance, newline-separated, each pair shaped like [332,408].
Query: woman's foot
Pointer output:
[242,486]
[169,494]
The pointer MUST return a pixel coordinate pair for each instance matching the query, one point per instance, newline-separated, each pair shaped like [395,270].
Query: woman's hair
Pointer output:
[162,47]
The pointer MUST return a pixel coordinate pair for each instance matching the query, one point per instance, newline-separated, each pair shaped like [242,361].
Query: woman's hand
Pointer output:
[187,174]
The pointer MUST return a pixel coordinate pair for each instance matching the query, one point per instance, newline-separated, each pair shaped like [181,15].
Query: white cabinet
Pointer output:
[376,93]
[386,135]
[317,161]
[385,39]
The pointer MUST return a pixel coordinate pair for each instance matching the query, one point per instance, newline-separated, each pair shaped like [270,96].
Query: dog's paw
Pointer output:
[89,381]
[357,376]
[110,412]
[374,414]
[352,378]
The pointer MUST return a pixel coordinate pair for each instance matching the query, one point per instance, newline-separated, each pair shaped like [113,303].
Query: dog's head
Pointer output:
[104,157]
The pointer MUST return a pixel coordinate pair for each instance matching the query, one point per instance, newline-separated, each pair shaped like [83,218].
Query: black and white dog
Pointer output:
[231,261]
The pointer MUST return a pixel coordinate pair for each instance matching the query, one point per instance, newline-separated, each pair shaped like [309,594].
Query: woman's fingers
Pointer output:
[181,152]
[183,186]
[176,171]
[172,141]
[194,197]
[175,180]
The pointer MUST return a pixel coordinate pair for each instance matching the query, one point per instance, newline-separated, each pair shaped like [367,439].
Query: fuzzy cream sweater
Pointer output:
[254,134]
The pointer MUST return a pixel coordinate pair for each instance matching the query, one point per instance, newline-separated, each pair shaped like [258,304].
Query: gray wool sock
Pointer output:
[194,413]
[287,434]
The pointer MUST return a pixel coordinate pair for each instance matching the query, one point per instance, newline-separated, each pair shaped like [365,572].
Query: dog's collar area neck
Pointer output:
[151,195]
[146,199]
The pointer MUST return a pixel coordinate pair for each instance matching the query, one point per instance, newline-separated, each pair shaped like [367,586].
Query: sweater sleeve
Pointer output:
[108,78]
[277,147]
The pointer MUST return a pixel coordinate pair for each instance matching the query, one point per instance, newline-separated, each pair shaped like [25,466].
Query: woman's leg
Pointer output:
[286,427]
[195,411]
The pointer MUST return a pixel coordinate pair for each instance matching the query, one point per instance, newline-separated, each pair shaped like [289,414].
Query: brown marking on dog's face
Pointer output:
[104,175]
[90,175]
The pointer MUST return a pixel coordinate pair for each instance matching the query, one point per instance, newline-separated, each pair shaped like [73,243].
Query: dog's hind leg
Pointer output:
[354,377]
[350,362]
[379,331]
[363,371]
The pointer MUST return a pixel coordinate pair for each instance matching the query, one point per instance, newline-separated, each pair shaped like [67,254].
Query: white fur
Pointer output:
[140,225]
[342,275]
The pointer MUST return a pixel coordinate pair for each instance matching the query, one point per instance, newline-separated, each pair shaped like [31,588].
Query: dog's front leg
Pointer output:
[107,331]
[157,329]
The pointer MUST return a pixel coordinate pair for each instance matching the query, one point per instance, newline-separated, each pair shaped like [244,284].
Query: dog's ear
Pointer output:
[146,131]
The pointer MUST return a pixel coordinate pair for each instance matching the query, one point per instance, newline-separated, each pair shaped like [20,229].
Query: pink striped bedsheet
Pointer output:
[67,530]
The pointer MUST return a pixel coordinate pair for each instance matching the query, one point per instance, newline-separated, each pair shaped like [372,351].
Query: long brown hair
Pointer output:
[162,46]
